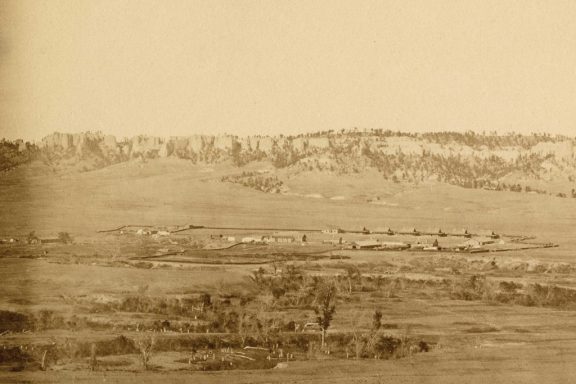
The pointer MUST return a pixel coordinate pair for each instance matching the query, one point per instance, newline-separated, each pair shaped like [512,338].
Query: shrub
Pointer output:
[552,296]
[298,340]
[387,346]
[47,319]
[423,346]
[14,355]
[143,264]
[476,287]
[120,345]
[509,286]
[482,329]
[13,321]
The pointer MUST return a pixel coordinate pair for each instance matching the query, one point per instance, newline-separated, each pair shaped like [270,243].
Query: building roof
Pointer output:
[367,243]
[393,243]
[286,233]
[477,241]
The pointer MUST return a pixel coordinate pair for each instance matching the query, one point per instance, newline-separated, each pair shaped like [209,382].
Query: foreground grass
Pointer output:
[543,362]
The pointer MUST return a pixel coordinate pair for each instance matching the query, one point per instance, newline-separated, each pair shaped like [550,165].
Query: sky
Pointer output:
[184,67]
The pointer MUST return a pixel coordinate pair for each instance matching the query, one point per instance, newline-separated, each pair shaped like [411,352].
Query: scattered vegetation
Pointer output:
[15,153]
[268,184]
[481,165]
[65,237]
[478,287]
[326,308]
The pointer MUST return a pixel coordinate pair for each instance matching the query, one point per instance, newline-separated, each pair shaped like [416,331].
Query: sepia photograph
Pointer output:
[304,191]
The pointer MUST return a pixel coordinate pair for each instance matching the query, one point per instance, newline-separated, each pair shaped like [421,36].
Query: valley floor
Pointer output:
[506,317]
[552,361]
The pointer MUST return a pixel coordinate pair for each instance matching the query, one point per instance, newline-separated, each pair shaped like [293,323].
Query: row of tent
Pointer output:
[415,232]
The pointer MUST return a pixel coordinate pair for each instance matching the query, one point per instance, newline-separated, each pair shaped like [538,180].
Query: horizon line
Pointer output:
[400,132]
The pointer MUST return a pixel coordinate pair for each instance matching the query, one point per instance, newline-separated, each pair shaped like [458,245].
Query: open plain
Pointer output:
[376,191]
[202,297]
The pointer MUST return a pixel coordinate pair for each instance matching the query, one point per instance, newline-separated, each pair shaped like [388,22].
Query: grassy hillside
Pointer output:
[521,163]
[79,294]
[174,191]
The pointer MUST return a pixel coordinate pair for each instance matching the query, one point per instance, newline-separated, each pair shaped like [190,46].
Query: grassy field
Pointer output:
[542,362]
[175,192]
[504,317]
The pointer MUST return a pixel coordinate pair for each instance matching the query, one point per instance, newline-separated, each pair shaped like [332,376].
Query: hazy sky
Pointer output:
[247,67]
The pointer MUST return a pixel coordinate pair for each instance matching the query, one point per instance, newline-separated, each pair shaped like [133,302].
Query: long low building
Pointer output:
[394,245]
[375,244]
[476,242]
[279,239]
[269,239]
[366,244]
[51,240]
[252,239]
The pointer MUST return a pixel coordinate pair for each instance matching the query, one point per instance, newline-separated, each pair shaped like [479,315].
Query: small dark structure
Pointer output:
[51,240]
[441,233]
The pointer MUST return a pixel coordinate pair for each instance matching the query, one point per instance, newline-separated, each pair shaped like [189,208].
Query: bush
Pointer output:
[509,286]
[387,346]
[14,321]
[340,339]
[482,329]
[143,264]
[423,346]
[196,342]
[47,319]
[298,340]
[219,365]
[14,355]
[476,287]
[270,184]
[120,345]
[552,296]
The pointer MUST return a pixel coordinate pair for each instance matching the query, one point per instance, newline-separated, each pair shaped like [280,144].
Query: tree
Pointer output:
[365,342]
[93,360]
[65,237]
[352,273]
[236,153]
[326,308]
[278,292]
[205,301]
[31,238]
[247,324]
[387,345]
[146,347]
[358,339]
[266,327]
[43,364]
[376,320]
[258,277]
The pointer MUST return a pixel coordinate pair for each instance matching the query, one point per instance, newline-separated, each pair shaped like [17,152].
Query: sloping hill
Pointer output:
[81,183]
[175,191]
[512,162]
